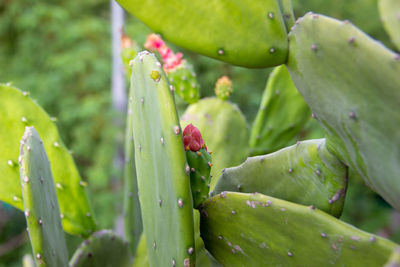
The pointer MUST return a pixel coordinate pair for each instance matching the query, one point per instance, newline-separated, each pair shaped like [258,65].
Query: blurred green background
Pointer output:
[59,51]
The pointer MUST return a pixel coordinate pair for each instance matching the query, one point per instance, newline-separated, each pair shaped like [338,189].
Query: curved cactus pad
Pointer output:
[17,110]
[40,203]
[132,215]
[161,168]
[102,249]
[282,115]
[394,260]
[351,84]
[224,131]
[287,12]
[390,15]
[256,230]
[249,33]
[306,173]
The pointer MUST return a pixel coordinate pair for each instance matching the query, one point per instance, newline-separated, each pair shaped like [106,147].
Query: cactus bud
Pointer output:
[223,88]
[199,160]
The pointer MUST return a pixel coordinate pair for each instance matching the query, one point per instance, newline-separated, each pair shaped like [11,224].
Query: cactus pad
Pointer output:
[305,173]
[40,203]
[351,84]
[161,168]
[256,230]
[257,39]
[283,113]
[224,130]
[390,15]
[102,249]
[74,206]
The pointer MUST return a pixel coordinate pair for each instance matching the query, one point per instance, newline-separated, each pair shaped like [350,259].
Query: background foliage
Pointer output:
[59,51]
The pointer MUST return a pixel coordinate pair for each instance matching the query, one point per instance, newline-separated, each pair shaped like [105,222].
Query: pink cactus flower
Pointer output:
[192,139]
[170,59]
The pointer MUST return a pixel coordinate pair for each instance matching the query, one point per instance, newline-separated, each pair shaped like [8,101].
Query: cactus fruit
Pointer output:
[390,15]
[224,130]
[40,203]
[394,260]
[223,88]
[305,173]
[258,39]
[351,84]
[161,168]
[257,230]
[128,52]
[283,113]
[102,249]
[74,205]
[132,215]
[199,161]
[180,73]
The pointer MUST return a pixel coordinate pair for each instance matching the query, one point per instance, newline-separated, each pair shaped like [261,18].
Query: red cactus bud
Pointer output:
[192,139]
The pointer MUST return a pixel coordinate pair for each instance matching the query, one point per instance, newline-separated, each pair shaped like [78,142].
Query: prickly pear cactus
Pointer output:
[287,12]
[358,107]
[257,230]
[258,39]
[74,205]
[223,88]
[132,214]
[40,203]
[199,161]
[102,249]
[282,115]
[180,72]
[394,260]
[224,130]
[390,15]
[141,257]
[162,171]
[305,173]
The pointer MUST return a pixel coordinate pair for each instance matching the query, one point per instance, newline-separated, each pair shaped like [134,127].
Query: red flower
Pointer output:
[192,139]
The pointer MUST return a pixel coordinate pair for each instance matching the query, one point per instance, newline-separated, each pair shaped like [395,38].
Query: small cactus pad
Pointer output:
[40,203]
[102,249]
[256,230]
[161,168]
[394,260]
[17,111]
[224,130]
[283,113]
[358,107]
[287,12]
[390,15]
[305,173]
[132,215]
[258,39]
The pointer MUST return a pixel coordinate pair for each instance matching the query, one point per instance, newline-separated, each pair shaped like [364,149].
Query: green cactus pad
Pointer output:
[287,11]
[283,113]
[305,173]
[132,215]
[161,168]
[141,257]
[390,15]
[257,39]
[74,206]
[185,84]
[351,84]
[200,167]
[224,130]
[102,249]
[394,260]
[40,203]
[256,230]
